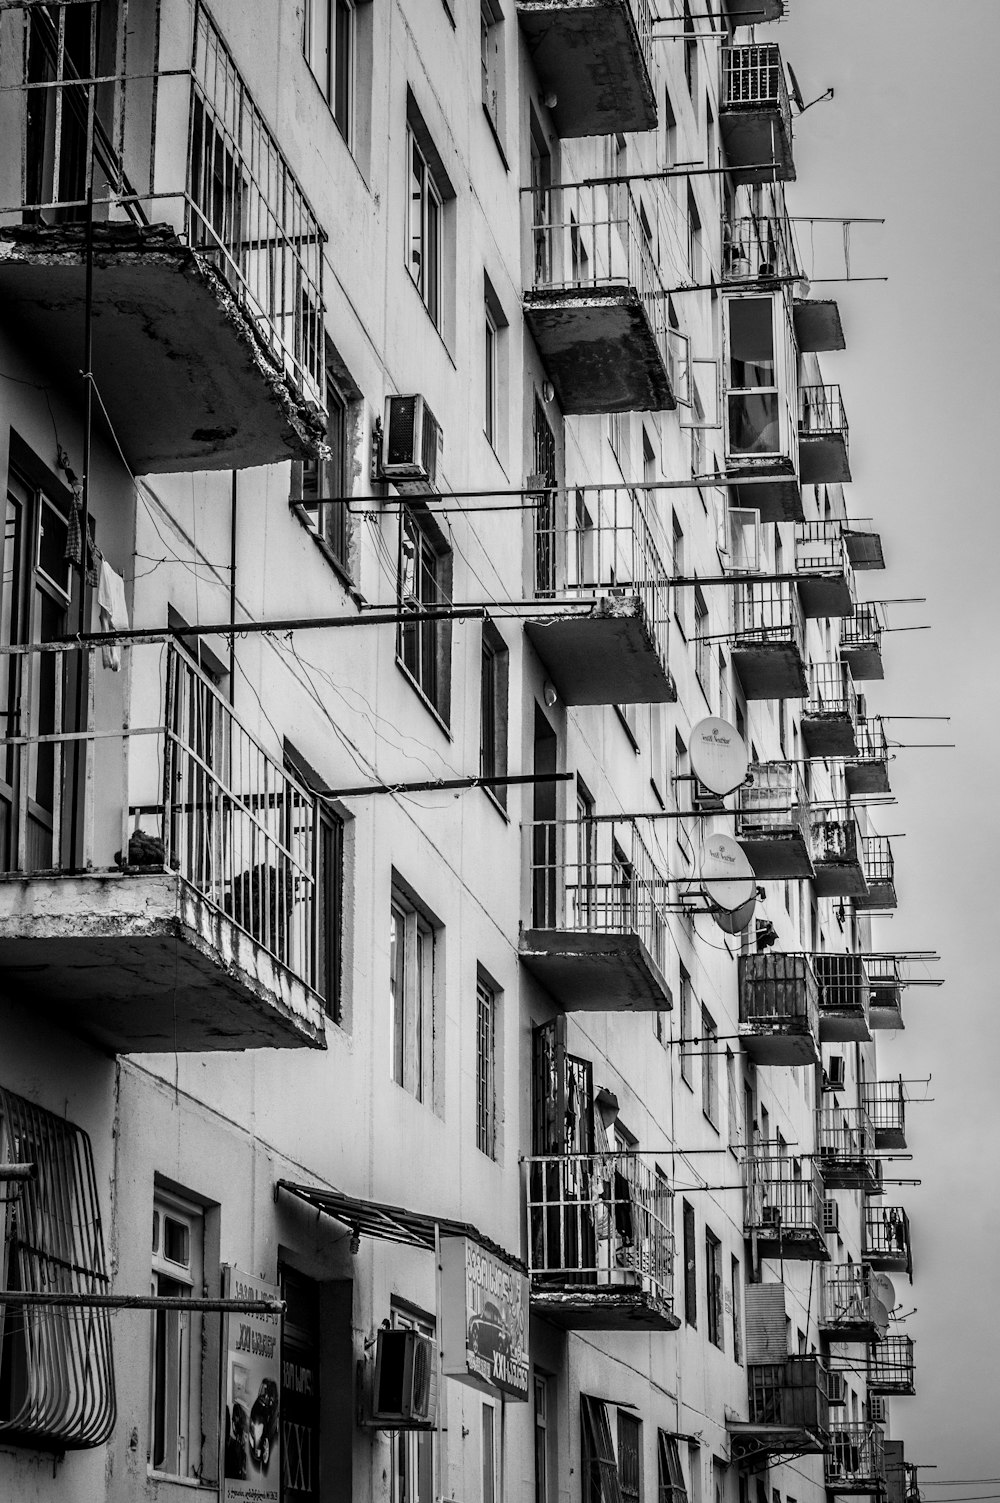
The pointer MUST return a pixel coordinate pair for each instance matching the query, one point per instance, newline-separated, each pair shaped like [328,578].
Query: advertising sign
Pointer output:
[251,1349]
[484,1319]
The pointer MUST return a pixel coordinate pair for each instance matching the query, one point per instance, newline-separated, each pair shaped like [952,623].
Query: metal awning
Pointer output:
[373,1218]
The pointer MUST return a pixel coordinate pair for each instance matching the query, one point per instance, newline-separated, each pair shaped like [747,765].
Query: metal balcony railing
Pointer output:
[782,1195]
[886,984]
[600,1220]
[597,877]
[878,862]
[775,800]
[820,545]
[891,1367]
[863,628]
[848,1299]
[160,775]
[789,1395]
[176,137]
[768,612]
[758,248]
[843,983]
[856,1457]
[872,745]
[591,238]
[885,1104]
[831,691]
[821,412]
[777,988]
[845,1134]
[887,1235]
[754,77]
[591,543]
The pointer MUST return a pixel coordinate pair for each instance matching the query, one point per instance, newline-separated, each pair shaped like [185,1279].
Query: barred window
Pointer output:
[670,1483]
[486,1108]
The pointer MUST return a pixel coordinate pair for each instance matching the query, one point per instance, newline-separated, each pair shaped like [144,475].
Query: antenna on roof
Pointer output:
[800,103]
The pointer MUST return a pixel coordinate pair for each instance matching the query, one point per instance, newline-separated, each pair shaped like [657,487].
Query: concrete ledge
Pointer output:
[615,1308]
[140,962]
[608,655]
[588,53]
[595,972]
[787,1042]
[599,348]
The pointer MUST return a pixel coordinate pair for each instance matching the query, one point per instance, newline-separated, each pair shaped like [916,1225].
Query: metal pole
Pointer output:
[140,1302]
[435,785]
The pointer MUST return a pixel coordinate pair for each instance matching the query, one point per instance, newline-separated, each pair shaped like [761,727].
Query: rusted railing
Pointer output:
[753,77]
[831,691]
[600,1220]
[782,1195]
[820,545]
[793,1394]
[175,136]
[775,800]
[597,877]
[591,238]
[856,1457]
[843,980]
[864,628]
[777,988]
[887,1235]
[835,837]
[845,1134]
[758,248]
[592,543]
[158,775]
[768,612]
[885,1103]
[848,1299]
[821,412]
[890,1366]
[879,865]
[872,745]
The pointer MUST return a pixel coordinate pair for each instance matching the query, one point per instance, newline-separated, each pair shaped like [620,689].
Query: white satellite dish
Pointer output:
[718,755]
[884,1290]
[737,921]
[726,874]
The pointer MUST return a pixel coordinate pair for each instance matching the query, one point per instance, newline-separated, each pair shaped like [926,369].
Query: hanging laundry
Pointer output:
[74,540]
[113,612]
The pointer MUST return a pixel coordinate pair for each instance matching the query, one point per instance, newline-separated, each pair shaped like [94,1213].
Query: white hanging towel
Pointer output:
[113,613]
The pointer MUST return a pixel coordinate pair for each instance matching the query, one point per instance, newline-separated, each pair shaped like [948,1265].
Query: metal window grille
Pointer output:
[671,1487]
[630,1456]
[601,1482]
[485,1069]
[57,1381]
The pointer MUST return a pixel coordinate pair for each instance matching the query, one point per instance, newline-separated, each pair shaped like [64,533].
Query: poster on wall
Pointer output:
[251,1379]
[484,1318]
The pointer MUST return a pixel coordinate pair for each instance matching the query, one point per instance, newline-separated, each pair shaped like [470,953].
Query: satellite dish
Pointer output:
[726,874]
[718,755]
[738,920]
[884,1290]
[800,103]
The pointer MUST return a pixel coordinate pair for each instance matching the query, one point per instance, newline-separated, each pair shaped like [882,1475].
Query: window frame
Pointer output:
[686,999]
[709,1068]
[600,1480]
[690,1255]
[491,59]
[423,649]
[412,1451]
[323,46]
[180,1390]
[413,962]
[714,1292]
[487,1007]
[430,230]
[629,1456]
[493,712]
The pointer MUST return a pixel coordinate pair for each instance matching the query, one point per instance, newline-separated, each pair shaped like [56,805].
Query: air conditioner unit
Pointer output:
[878,1409]
[836,1072]
[831,1216]
[704,800]
[836,1390]
[411,445]
[406,1380]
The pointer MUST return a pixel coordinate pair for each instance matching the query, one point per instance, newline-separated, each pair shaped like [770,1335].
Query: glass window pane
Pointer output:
[751,342]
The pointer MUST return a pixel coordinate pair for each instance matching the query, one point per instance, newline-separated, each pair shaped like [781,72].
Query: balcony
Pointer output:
[788,1411]
[594,551]
[885,1104]
[596,57]
[861,643]
[159,866]
[768,644]
[849,1309]
[783,1205]
[823,563]
[887,1239]
[818,325]
[886,985]
[879,873]
[864,548]
[597,932]
[830,714]
[772,822]
[779,1009]
[600,1247]
[760,410]
[755,117]
[846,1142]
[843,999]
[823,446]
[758,249]
[750,12]
[855,1461]
[868,772]
[837,858]
[208,259]
[890,1367]
[596,305]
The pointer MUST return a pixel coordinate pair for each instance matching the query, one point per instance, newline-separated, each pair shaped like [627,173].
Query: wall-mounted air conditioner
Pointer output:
[411,445]
[406,1380]
[836,1390]
[831,1216]
[878,1409]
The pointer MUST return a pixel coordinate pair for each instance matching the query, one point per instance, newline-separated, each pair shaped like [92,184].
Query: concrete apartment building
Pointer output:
[395,968]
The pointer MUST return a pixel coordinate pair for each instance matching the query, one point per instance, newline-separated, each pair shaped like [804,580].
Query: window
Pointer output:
[493,712]
[690,1265]
[429,241]
[753,411]
[424,648]
[328,893]
[709,1068]
[412,1450]
[690,51]
[600,1482]
[733,1103]
[328,44]
[685,1022]
[544,457]
[489,1453]
[737,1286]
[680,571]
[300,1387]
[702,646]
[412,943]
[670,153]
[494,372]
[321,487]
[175,1377]
[491,61]
[541,1393]
[630,1456]
[694,244]
[486,1091]
[56,1375]
[713,1287]
[669,1475]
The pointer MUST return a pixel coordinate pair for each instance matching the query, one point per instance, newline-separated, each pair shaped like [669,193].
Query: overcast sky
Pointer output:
[913,135]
